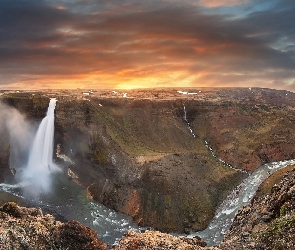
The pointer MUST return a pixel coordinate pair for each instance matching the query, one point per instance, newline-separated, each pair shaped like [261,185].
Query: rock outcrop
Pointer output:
[29,228]
[155,240]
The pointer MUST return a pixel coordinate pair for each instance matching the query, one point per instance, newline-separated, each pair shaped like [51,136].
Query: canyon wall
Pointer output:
[137,155]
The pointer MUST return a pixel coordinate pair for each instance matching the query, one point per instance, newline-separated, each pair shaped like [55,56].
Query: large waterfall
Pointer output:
[40,163]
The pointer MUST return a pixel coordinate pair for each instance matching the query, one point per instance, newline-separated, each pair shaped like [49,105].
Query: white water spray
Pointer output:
[40,163]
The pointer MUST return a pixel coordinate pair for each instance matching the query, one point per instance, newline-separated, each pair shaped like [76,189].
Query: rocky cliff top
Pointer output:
[29,228]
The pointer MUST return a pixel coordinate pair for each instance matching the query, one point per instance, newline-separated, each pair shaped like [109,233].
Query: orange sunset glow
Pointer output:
[50,44]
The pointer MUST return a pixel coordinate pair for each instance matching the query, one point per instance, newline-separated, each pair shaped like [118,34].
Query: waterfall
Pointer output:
[40,163]
[239,197]
[188,124]
[222,161]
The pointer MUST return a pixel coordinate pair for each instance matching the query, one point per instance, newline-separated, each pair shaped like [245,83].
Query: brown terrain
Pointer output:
[137,155]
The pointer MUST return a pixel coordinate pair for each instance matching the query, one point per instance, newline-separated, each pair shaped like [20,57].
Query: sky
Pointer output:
[113,44]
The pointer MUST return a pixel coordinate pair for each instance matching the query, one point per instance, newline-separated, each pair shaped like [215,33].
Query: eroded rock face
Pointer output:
[28,228]
[171,203]
[268,222]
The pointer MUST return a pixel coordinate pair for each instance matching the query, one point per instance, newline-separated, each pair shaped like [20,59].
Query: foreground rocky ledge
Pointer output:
[157,240]
[28,228]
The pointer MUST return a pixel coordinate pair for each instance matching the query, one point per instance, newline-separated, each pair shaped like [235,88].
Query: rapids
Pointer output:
[236,199]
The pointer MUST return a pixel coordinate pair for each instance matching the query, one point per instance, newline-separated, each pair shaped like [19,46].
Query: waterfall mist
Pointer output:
[17,133]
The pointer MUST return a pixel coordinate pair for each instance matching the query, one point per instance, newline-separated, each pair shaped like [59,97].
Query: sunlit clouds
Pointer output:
[139,44]
[218,3]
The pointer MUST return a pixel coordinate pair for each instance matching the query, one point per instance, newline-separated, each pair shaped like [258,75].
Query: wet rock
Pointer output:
[266,218]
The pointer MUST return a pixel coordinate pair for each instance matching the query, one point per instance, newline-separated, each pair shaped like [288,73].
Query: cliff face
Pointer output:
[143,161]
[137,155]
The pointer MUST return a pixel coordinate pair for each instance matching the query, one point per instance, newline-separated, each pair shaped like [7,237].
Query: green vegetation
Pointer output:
[278,234]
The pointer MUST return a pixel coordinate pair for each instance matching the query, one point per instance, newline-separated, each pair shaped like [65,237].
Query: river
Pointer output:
[69,201]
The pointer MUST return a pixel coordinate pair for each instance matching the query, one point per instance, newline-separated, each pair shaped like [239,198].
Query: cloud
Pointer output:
[155,43]
[218,3]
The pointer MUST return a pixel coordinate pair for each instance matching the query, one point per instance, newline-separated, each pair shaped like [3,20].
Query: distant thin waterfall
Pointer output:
[187,123]
[40,162]
[222,161]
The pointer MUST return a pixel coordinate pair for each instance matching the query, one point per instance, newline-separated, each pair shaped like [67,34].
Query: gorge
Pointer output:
[136,155]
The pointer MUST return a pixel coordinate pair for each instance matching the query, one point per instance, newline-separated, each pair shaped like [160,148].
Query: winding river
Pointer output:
[70,201]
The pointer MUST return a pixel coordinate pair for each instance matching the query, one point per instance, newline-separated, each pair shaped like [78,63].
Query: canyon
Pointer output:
[164,157]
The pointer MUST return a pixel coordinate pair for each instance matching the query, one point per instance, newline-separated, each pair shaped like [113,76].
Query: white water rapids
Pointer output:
[238,198]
